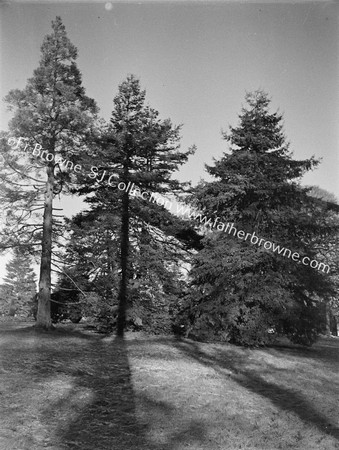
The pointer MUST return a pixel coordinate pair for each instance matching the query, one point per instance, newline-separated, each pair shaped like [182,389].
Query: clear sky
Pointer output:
[196,60]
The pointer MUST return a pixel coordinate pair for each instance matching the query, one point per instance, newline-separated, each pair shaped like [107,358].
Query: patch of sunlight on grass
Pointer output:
[63,391]
[231,398]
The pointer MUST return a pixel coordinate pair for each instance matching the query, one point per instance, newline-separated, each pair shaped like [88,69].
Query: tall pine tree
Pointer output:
[139,153]
[53,115]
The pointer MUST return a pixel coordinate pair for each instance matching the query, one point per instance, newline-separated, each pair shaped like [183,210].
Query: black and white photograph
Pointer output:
[169,225]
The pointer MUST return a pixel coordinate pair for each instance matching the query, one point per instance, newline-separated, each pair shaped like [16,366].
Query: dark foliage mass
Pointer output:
[242,292]
[127,248]
[19,288]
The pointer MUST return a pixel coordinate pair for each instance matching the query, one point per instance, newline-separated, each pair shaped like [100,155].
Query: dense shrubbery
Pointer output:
[251,326]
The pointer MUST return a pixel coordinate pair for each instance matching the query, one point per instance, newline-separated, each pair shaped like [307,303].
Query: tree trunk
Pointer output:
[124,247]
[327,318]
[44,303]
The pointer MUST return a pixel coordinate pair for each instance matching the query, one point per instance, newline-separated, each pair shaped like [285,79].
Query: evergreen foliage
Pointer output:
[92,263]
[51,114]
[19,286]
[326,245]
[240,291]
[136,149]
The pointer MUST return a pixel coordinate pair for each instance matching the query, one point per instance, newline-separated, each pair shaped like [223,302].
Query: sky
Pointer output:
[196,61]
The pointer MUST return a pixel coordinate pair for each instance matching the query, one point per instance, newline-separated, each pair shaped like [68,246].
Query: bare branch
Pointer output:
[25,174]
[70,279]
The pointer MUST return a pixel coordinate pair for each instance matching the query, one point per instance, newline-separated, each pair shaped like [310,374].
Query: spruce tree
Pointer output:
[52,123]
[19,284]
[138,153]
[241,290]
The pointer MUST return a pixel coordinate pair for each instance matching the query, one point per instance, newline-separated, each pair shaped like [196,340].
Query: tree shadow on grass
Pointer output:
[99,407]
[87,398]
[99,410]
[286,399]
[325,350]
[76,388]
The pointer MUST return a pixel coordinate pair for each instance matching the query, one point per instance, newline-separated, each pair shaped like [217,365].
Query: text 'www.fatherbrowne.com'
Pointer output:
[181,209]
[229,228]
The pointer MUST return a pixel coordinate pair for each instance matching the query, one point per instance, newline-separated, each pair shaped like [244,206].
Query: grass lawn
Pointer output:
[74,389]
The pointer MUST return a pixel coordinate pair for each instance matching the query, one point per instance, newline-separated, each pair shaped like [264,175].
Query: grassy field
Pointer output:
[73,389]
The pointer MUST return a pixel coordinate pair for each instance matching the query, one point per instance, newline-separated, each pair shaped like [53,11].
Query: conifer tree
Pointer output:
[19,284]
[240,290]
[139,153]
[50,128]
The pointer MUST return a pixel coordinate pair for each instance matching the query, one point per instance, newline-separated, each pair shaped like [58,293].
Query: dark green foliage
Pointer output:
[146,149]
[136,147]
[157,281]
[19,286]
[93,259]
[240,291]
[326,245]
[232,290]
[90,265]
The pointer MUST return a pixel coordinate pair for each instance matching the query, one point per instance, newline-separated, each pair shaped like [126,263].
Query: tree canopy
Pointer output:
[240,290]
[53,115]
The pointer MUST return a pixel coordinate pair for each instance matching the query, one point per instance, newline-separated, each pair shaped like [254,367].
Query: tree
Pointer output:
[91,264]
[322,194]
[19,285]
[139,152]
[147,153]
[241,290]
[54,118]
[327,250]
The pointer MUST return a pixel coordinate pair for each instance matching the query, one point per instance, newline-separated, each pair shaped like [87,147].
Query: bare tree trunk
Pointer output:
[44,295]
[327,318]
[124,248]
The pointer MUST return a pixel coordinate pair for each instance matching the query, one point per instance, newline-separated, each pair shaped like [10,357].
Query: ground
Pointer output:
[74,389]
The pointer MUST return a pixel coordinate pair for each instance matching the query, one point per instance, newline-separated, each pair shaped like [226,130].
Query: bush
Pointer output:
[249,324]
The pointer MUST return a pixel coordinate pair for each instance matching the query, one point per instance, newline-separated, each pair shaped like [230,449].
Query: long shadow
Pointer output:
[88,399]
[325,350]
[94,406]
[284,398]
[100,408]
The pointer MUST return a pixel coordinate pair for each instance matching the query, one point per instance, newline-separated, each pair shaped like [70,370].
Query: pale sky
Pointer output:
[196,60]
